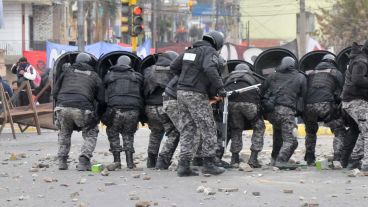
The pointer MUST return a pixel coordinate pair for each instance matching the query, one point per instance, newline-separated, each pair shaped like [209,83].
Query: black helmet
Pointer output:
[124,60]
[215,38]
[286,63]
[171,55]
[328,58]
[84,58]
[242,67]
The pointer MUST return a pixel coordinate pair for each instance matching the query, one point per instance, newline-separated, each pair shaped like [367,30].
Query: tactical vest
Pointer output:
[79,82]
[351,91]
[124,84]
[192,67]
[322,79]
[161,75]
[240,76]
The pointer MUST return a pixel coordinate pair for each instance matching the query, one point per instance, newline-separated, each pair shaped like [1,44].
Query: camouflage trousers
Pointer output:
[196,114]
[68,120]
[358,110]
[159,123]
[321,111]
[283,124]
[124,122]
[242,112]
[170,107]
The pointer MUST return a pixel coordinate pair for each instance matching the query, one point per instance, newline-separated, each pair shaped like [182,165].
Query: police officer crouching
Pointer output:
[355,103]
[245,108]
[124,102]
[325,84]
[76,92]
[156,78]
[170,107]
[197,69]
[284,87]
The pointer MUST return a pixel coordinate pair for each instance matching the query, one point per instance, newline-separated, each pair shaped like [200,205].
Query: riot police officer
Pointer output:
[170,107]
[76,92]
[324,87]
[156,78]
[242,109]
[284,89]
[355,103]
[197,69]
[124,93]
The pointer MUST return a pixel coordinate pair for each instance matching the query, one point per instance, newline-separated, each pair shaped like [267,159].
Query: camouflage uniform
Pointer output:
[240,113]
[159,123]
[170,107]
[67,119]
[358,110]
[196,114]
[284,142]
[124,122]
[312,113]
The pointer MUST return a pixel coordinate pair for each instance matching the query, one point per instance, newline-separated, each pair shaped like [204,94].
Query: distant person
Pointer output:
[6,87]
[24,71]
[14,86]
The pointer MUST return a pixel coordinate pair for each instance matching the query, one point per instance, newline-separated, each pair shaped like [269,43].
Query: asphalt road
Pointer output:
[50,187]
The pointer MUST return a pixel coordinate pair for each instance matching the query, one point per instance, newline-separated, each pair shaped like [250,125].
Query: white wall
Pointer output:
[11,33]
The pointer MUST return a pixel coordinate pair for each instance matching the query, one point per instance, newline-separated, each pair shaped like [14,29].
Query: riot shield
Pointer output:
[109,59]
[343,60]
[231,64]
[310,60]
[65,59]
[268,60]
[148,61]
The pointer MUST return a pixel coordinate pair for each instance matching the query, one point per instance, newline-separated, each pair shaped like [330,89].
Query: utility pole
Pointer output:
[80,25]
[216,3]
[154,24]
[248,33]
[302,29]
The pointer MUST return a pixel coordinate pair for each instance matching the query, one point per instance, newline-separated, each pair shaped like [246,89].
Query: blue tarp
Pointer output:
[53,50]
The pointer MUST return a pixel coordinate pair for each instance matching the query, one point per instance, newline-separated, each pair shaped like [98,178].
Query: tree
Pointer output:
[344,24]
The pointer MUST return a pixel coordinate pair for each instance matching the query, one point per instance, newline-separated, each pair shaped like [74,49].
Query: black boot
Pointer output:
[209,167]
[221,163]
[253,160]
[197,161]
[184,169]
[344,159]
[151,160]
[129,159]
[63,165]
[282,164]
[235,160]
[117,159]
[310,158]
[353,164]
[162,163]
[84,164]
[337,157]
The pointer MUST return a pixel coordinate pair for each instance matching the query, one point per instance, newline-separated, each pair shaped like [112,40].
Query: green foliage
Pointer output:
[344,24]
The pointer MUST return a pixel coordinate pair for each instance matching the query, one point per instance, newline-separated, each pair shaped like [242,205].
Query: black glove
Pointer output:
[222,92]
[234,95]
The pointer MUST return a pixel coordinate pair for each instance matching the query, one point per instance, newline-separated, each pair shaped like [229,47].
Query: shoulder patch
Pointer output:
[189,56]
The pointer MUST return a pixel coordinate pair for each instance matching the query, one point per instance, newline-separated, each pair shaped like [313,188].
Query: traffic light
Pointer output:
[190,5]
[125,16]
[137,21]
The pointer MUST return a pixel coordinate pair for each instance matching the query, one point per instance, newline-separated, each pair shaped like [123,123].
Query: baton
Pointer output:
[226,110]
